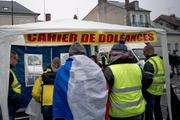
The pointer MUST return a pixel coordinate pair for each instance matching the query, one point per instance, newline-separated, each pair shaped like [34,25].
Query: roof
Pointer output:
[172,19]
[118,4]
[168,30]
[6,8]
[67,25]
[122,5]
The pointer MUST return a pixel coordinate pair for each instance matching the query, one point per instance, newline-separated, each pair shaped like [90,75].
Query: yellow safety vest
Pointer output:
[126,99]
[47,95]
[157,86]
[43,93]
[47,92]
[16,86]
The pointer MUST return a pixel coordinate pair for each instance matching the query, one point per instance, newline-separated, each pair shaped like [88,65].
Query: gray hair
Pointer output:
[55,59]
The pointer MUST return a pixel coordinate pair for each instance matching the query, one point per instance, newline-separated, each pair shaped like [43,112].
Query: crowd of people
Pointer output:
[84,89]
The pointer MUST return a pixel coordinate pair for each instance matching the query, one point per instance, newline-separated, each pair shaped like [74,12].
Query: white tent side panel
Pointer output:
[4,75]
[167,71]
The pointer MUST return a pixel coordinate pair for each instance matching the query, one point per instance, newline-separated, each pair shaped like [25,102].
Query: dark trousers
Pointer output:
[12,111]
[14,103]
[12,108]
[47,112]
[138,117]
[175,67]
[152,107]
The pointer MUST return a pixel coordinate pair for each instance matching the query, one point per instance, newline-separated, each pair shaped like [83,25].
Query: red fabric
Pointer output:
[107,106]
[107,109]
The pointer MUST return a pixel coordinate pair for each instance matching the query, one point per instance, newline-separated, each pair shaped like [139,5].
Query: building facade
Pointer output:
[12,12]
[137,16]
[171,24]
[173,39]
[114,12]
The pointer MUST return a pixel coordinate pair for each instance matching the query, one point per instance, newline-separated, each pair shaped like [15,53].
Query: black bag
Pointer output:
[48,78]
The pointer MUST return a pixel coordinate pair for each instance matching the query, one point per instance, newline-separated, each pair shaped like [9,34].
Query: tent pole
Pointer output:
[51,55]
[167,71]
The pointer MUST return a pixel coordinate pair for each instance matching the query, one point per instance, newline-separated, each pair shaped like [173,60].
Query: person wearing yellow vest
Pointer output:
[14,93]
[124,78]
[153,83]
[43,88]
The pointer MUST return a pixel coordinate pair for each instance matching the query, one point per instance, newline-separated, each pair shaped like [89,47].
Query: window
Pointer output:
[176,46]
[5,9]
[169,46]
[33,68]
[133,19]
[141,19]
[139,53]
[147,19]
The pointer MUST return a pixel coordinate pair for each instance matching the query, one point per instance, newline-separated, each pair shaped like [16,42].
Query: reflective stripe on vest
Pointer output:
[125,105]
[157,86]
[126,89]
[126,98]
[16,86]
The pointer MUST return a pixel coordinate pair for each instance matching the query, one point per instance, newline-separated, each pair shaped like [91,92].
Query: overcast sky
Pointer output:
[62,9]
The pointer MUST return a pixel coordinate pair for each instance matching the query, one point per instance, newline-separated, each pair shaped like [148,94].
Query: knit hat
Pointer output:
[120,46]
[76,49]
[119,51]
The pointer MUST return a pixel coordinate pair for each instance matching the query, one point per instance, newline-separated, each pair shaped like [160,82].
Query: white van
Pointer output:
[135,48]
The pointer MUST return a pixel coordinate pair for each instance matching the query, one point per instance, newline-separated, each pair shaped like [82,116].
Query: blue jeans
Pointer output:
[153,106]
[47,112]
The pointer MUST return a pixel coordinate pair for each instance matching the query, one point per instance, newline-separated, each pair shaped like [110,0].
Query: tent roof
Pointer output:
[68,26]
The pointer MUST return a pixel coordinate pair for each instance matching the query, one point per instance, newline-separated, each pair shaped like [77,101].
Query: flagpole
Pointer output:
[12,12]
[44,11]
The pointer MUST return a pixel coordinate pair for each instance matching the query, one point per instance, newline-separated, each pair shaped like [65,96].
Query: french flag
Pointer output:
[80,90]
